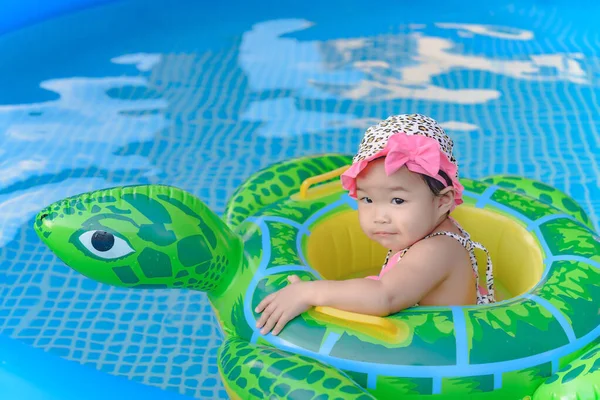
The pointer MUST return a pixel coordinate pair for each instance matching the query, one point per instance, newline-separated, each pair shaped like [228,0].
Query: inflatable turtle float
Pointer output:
[294,218]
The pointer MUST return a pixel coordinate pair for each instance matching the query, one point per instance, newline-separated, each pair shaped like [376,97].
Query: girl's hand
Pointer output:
[284,305]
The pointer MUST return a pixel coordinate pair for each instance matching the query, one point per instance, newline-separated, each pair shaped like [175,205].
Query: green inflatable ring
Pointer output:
[153,236]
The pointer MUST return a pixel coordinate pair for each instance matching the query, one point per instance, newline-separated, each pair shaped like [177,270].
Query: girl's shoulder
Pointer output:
[441,247]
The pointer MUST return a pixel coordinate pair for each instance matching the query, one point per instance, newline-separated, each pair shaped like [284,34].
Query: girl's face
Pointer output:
[398,210]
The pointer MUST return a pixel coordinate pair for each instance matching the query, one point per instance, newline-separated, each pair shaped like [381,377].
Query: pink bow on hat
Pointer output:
[419,154]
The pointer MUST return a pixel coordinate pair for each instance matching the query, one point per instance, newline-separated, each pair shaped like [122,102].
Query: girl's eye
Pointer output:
[397,201]
[366,200]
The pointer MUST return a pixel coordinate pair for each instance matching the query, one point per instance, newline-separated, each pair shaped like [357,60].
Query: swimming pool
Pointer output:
[200,95]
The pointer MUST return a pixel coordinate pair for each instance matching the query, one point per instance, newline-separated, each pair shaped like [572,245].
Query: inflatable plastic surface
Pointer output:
[294,218]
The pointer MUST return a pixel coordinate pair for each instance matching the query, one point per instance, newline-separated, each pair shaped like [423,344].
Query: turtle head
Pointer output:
[147,236]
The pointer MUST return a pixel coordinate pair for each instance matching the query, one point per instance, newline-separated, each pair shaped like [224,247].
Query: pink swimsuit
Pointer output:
[484,295]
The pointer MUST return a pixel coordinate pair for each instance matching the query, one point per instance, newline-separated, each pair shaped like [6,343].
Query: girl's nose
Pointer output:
[381,217]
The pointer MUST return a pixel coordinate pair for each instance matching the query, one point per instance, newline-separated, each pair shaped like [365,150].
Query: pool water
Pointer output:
[200,95]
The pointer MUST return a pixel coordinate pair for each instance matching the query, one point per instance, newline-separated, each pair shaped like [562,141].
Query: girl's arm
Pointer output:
[418,273]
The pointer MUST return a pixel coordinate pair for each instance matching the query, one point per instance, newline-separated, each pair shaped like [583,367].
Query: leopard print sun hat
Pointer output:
[412,140]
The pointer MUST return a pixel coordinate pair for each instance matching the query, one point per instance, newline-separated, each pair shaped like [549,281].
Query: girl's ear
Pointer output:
[445,200]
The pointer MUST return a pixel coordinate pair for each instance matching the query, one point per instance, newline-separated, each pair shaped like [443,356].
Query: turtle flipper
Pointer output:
[252,371]
[542,192]
[578,380]
[278,181]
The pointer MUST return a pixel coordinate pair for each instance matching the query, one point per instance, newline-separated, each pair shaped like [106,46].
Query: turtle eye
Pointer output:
[104,244]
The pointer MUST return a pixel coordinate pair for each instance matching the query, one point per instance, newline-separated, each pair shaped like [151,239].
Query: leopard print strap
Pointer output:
[470,246]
